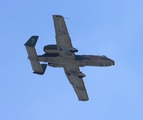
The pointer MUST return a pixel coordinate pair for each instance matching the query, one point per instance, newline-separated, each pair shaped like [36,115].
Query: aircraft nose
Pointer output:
[113,62]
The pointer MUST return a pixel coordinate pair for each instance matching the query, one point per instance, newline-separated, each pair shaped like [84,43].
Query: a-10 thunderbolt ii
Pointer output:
[63,55]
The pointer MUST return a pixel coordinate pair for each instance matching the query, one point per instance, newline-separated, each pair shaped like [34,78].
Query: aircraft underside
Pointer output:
[62,54]
[60,62]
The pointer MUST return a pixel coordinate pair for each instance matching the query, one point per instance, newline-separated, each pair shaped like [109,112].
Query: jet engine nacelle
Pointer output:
[50,49]
[53,49]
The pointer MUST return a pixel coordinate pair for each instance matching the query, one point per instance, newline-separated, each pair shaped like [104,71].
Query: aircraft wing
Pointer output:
[74,76]
[63,40]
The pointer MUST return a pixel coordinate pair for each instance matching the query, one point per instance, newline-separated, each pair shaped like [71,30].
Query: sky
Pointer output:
[96,27]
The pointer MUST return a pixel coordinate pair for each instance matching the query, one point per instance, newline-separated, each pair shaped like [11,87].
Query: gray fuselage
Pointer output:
[80,60]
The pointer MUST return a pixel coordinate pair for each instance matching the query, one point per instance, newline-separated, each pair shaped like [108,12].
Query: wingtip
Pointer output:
[57,16]
[84,100]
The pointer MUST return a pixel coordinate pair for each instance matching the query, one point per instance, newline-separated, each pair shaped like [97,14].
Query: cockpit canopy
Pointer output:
[104,56]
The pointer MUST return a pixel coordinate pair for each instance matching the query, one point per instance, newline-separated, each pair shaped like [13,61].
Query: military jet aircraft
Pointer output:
[63,55]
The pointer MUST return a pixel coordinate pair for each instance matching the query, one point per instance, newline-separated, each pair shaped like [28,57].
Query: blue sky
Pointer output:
[105,27]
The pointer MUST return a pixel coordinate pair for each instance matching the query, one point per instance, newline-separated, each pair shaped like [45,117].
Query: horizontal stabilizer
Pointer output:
[32,56]
[32,41]
[43,66]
